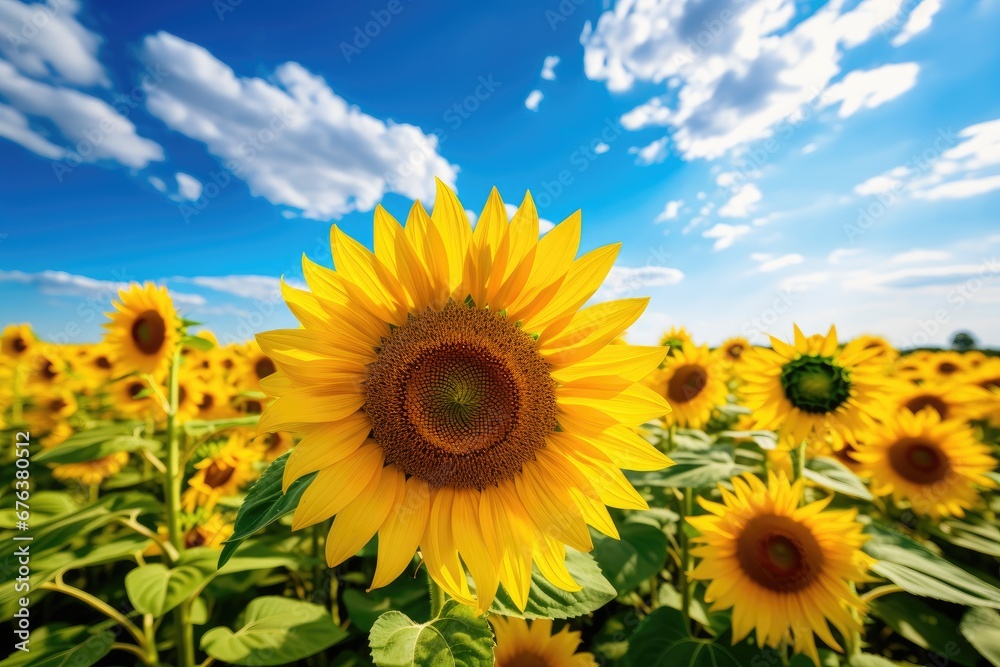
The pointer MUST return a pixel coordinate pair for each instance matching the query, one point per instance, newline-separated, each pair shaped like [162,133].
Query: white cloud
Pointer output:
[670,210]
[543,224]
[871,88]
[742,203]
[725,234]
[14,126]
[804,281]
[60,283]
[809,148]
[918,21]
[549,67]
[601,148]
[739,70]
[967,165]
[93,129]
[158,183]
[290,137]
[629,280]
[769,263]
[259,288]
[840,254]
[920,255]
[652,153]
[533,99]
[45,41]
[188,187]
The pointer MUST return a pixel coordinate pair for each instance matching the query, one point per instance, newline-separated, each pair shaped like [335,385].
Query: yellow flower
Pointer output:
[95,365]
[731,351]
[216,400]
[886,354]
[784,570]
[255,365]
[949,399]
[132,397]
[17,341]
[499,412]
[273,445]
[46,368]
[222,474]
[693,384]
[521,645]
[91,472]
[210,532]
[145,329]
[935,464]
[675,338]
[806,389]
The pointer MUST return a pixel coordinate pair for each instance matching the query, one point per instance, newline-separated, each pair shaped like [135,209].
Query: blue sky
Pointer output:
[763,162]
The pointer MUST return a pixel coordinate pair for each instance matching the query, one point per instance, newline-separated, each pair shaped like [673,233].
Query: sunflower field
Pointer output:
[457,460]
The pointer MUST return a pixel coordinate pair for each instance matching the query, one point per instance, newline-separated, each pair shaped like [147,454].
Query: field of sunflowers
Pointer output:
[458,460]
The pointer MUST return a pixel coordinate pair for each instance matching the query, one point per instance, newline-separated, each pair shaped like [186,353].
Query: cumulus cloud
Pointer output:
[652,153]
[61,283]
[549,67]
[767,263]
[188,187]
[871,88]
[628,280]
[725,235]
[670,210]
[919,20]
[533,99]
[731,71]
[742,203]
[291,137]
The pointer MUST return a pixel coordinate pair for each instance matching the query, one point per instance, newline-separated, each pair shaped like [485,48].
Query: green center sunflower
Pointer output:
[815,384]
[149,332]
[460,397]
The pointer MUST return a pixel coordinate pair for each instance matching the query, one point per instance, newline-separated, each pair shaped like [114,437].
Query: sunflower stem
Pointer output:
[172,494]
[437,597]
[687,587]
[799,462]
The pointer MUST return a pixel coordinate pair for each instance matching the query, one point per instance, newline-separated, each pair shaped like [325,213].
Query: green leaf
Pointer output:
[276,631]
[917,570]
[264,504]
[80,451]
[835,476]
[202,427]
[693,470]
[456,638]
[49,647]
[974,533]
[545,600]
[928,628]
[663,640]
[405,594]
[640,554]
[982,628]
[871,660]
[197,343]
[156,589]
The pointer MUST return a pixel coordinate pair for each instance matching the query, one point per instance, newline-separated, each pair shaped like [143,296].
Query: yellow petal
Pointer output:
[508,531]
[552,509]
[590,330]
[295,410]
[439,550]
[338,485]
[366,275]
[583,280]
[450,219]
[483,562]
[325,446]
[400,535]
[632,362]
[356,524]
[550,557]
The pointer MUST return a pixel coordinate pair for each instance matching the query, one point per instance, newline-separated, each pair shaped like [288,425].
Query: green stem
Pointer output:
[99,605]
[799,461]
[172,493]
[687,586]
[437,597]
[17,401]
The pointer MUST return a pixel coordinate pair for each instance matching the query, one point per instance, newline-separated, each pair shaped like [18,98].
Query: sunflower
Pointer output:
[949,399]
[946,365]
[46,368]
[95,364]
[273,445]
[51,407]
[693,384]
[935,464]
[222,474]
[806,389]
[145,329]
[216,400]
[208,532]
[523,645]
[190,396]
[731,351]
[785,570]
[455,394]
[17,341]
[256,366]
[91,472]
[132,397]
[886,355]
[675,338]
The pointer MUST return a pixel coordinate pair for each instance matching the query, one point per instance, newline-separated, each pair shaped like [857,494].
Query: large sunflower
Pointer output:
[455,395]
[949,399]
[785,570]
[935,464]
[693,383]
[806,389]
[521,645]
[144,330]
[17,341]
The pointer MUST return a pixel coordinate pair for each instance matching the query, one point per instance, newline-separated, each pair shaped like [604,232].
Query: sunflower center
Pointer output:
[58,404]
[919,461]
[19,344]
[779,553]
[735,350]
[460,397]
[525,659]
[48,370]
[947,368]
[686,383]
[918,403]
[815,384]
[102,362]
[207,402]
[263,367]
[149,332]
[135,389]
[193,538]
[216,475]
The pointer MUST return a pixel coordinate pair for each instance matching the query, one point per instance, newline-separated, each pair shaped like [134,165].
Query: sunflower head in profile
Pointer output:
[784,570]
[93,472]
[221,474]
[886,354]
[674,338]
[455,395]
[806,389]
[144,329]
[522,645]
[936,465]
[949,399]
[693,383]
[255,365]
[17,341]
